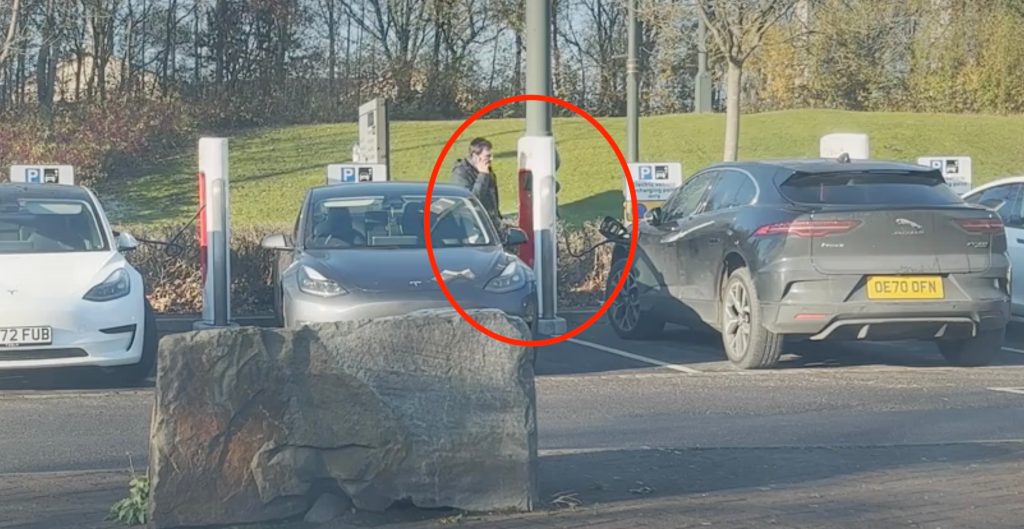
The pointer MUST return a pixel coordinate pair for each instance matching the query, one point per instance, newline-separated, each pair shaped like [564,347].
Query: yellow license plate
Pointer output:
[905,287]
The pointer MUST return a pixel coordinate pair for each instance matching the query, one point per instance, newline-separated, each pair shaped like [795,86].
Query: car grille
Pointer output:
[16,354]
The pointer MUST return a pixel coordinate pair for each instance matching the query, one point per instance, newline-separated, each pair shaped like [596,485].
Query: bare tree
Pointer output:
[738,28]
[12,30]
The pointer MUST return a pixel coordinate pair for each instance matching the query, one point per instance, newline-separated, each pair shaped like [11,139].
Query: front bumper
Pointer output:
[78,336]
[301,308]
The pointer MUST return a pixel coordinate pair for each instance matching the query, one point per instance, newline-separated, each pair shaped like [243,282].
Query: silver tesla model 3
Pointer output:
[358,252]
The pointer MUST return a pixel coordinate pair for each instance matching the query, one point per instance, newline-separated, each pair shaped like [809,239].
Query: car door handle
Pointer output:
[679,234]
[1020,241]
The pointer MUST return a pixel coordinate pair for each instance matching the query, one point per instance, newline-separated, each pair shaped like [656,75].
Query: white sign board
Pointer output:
[43,174]
[353,173]
[654,180]
[373,143]
[955,169]
[856,145]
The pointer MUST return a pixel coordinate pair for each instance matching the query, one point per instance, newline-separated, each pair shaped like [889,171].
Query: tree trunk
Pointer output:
[197,56]
[44,68]
[732,113]
[12,30]
[129,52]
[218,31]
[332,52]
[517,74]
[348,59]
[165,61]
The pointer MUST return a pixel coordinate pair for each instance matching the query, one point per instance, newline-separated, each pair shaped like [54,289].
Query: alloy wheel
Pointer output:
[737,318]
[626,308]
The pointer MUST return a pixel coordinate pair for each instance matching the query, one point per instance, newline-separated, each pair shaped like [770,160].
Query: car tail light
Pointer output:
[991,225]
[808,228]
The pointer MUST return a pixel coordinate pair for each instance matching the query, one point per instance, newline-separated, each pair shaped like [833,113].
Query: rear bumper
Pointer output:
[796,299]
[887,320]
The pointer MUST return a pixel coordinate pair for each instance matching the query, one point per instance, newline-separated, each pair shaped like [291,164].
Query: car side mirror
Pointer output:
[515,237]
[654,216]
[993,203]
[126,242]
[276,242]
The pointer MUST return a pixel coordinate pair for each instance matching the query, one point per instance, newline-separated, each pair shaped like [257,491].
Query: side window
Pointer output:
[1010,195]
[746,193]
[689,196]
[731,189]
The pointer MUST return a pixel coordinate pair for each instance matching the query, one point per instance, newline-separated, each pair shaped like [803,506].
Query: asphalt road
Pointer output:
[598,393]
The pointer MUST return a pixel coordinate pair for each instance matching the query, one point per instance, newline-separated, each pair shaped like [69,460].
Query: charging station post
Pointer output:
[213,173]
[537,158]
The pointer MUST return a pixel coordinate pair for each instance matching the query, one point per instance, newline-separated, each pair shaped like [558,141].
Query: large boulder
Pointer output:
[256,424]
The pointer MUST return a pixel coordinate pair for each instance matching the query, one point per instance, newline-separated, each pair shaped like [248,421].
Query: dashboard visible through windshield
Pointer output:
[30,226]
[395,222]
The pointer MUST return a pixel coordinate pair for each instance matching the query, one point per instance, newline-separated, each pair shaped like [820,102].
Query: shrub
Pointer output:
[97,141]
[172,274]
[173,279]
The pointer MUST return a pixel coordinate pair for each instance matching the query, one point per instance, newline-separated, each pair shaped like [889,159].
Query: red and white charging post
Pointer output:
[214,233]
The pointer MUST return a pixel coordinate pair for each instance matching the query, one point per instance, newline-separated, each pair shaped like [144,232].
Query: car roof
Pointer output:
[1002,181]
[393,187]
[44,191]
[826,165]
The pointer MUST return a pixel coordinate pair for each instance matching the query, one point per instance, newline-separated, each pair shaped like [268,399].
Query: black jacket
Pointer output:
[483,185]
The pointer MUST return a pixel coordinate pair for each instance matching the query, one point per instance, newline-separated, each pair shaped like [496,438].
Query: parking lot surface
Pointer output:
[661,433]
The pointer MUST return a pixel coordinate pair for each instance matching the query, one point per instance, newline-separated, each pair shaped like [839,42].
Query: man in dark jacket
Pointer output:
[475,174]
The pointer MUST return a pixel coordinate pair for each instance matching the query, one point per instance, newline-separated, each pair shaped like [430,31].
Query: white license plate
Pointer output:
[21,336]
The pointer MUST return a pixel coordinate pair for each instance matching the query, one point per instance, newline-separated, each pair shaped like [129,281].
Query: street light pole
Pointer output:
[632,90]
[702,84]
[538,66]
[537,158]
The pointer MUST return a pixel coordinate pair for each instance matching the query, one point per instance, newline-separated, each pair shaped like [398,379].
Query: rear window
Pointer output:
[868,188]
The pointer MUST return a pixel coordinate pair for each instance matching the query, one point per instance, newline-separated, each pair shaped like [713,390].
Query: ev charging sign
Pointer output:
[353,173]
[43,174]
[654,182]
[956,170]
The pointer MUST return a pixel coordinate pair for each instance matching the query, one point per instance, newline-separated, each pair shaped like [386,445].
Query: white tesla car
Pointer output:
[68,297]
[1006,197]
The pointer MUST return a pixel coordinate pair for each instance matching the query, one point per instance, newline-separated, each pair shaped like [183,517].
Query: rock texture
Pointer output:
[256,424]
[327,508]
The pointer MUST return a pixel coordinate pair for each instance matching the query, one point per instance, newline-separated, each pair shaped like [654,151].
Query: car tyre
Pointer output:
[140,371]
[973,352]
[748,344]
[627,319]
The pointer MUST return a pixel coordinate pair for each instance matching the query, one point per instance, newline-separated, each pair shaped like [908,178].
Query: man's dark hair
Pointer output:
[478,145]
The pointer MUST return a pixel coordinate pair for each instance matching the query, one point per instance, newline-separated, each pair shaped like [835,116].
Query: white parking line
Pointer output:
[1012,350]
[631,356]
[1015,391]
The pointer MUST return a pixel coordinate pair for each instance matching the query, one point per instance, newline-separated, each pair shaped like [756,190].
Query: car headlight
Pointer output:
[513,277]
[116,285]
[313,282]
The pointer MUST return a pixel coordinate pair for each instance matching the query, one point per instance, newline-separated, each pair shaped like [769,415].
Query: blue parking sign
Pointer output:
[348,174]
[645,172]
[33,175]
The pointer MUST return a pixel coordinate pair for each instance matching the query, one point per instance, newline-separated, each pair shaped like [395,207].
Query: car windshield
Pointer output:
[395,222]
[869,188]
[29,226]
